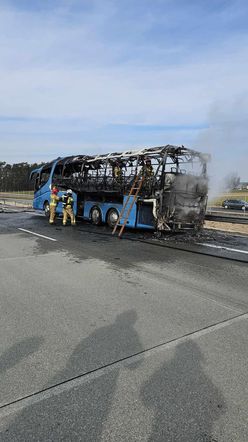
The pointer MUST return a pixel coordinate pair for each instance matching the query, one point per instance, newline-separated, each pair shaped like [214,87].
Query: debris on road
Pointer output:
[211,236]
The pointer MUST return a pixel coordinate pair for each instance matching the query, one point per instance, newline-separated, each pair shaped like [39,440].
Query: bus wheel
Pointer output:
[112,217]
[95,216]
[47,209]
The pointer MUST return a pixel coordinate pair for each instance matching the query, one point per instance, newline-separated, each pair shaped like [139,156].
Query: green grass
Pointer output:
[28,194]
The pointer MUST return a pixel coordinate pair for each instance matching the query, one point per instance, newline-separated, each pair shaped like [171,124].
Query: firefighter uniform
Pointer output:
[54,199]
[67,202]
[117,172]
[147,170]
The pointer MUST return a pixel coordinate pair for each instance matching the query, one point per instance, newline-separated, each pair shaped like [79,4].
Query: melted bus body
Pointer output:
[173,196]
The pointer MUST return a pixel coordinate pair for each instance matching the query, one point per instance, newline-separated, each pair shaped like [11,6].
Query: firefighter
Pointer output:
[68,202]
[54,199]
[147,169]
[117,172]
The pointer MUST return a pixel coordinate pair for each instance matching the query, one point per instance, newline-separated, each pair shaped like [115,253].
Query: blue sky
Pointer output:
[83,76]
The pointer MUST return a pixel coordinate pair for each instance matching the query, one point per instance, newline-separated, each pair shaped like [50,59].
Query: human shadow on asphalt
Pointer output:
[81,412]
[184,401]
[20,350]
[104,346]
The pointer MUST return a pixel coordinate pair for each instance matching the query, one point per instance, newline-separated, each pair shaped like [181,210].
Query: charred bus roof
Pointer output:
[156,153]
[152,152]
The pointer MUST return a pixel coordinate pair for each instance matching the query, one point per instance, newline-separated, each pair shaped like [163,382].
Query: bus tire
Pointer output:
[96,216]
[46,208]
[112,217]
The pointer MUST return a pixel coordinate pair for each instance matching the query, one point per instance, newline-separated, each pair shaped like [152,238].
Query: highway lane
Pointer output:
[198,243]
[154,338]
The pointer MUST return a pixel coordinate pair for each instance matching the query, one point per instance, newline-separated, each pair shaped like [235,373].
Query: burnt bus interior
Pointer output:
[176,190]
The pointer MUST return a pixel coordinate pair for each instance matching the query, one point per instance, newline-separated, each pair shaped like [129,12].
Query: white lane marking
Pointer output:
[222,248]
[84,378]
[34,213]
[37,234]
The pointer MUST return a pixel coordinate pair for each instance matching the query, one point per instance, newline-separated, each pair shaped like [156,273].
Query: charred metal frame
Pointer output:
[167,188]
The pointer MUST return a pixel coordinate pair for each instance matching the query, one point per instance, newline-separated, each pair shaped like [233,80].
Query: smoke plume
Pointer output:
[226,139]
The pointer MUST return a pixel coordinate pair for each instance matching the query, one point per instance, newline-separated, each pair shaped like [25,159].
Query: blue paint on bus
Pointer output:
[139,217]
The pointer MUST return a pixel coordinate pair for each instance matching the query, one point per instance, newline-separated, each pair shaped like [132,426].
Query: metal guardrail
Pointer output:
[15,202]
[16,195]
[225,212]
[226,218]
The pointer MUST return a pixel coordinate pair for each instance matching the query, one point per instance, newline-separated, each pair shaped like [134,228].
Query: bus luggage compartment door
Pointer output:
[145,218]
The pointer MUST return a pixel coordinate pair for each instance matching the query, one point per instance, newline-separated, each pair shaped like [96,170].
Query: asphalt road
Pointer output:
[109,340]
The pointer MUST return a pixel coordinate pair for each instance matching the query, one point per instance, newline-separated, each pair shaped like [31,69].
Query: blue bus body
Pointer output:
[42,192]
[171,195]
[139,217]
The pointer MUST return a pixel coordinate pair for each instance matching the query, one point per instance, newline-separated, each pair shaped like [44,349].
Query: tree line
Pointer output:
[15,177]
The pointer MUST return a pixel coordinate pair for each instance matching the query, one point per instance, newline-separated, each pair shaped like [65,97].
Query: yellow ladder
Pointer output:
[134,191]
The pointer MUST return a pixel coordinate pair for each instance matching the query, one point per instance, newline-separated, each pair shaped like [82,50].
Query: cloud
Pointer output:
[125,94]
[89,75]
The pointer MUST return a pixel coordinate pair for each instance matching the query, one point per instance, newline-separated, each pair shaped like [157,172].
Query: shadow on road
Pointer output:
[81,412]
[104,346]
[184,400]
[13,355]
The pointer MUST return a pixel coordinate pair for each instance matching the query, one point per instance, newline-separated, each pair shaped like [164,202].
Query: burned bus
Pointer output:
[161,188]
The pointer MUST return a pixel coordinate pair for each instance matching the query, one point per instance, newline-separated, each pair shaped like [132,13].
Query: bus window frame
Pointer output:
[35,177]
[46,167]
[53,171]
[37,182]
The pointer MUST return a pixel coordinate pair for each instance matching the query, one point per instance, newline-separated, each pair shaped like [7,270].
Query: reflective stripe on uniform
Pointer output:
[54,199]
[67,201]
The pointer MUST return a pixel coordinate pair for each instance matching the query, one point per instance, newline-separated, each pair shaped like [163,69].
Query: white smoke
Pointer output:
[226,140]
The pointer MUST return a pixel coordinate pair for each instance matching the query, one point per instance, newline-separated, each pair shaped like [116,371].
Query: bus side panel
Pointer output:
[145,218]
[104,207]
[133,213]
[37,202]
[41,197]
